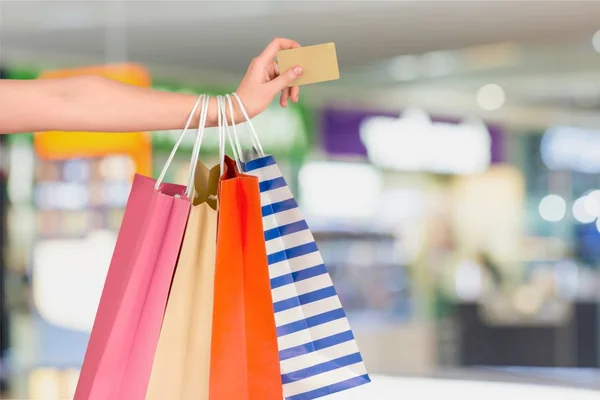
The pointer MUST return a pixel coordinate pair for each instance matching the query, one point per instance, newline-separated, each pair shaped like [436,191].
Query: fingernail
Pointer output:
[297,70]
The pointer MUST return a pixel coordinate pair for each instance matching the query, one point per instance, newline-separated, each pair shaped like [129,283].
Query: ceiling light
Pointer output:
[440,63]
[596,41]
[405,68]
[580,211]
[591,205]
[491,97]
[552,208]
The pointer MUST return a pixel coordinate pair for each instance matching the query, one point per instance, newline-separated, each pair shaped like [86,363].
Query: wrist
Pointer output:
[212,118]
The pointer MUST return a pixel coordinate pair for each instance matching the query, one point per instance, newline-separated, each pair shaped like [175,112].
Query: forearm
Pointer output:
[93,104]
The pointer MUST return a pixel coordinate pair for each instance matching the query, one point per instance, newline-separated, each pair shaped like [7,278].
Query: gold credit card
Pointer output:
[318,62]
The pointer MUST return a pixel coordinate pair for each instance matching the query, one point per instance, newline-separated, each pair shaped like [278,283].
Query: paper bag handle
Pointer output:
[254,136]
[204,99]
[197,145]
[225,126]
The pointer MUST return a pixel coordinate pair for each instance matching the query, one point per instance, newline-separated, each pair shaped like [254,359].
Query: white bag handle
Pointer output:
[235,136]
[254,136]
[197,145]
[221,137]
[202,98]
[234,148]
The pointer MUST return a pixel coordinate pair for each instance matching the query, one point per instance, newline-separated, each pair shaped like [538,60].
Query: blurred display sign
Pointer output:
[413,142]
[572,149]
[56,145]
[342,134]
[339,191]
[280,130]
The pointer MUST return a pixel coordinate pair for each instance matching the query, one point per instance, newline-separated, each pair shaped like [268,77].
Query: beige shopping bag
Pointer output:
[182,360]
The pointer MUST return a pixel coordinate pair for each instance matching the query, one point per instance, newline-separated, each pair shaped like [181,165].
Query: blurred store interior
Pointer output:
[450,177]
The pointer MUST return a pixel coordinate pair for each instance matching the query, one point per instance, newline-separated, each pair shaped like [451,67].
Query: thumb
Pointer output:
[285,79]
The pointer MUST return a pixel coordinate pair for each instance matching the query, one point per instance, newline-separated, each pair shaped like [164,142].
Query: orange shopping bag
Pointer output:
[244,353]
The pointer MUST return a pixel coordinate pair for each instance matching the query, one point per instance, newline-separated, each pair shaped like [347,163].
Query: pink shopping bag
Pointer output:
[120,353]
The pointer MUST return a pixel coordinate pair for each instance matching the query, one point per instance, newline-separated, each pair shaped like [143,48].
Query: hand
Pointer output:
[263,80]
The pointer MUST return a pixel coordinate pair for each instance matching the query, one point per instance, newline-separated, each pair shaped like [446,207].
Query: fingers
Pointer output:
[277,81]
[271,50]
[295,93]
[285,95]
[284,80]
[290,93]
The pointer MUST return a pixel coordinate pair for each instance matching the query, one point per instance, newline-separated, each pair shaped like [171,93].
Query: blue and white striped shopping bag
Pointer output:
[317,350]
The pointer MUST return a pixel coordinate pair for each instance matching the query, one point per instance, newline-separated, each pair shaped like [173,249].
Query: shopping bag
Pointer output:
[121,348]
[244,355]
[182,361]
[317,349]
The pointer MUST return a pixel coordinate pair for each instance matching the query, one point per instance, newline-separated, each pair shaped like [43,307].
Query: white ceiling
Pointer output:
[545,58]
[224,34]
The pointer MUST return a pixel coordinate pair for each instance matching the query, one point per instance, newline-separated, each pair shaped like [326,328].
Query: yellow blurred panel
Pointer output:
[133,74]
[45,384]
[70,378]
[55,145]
